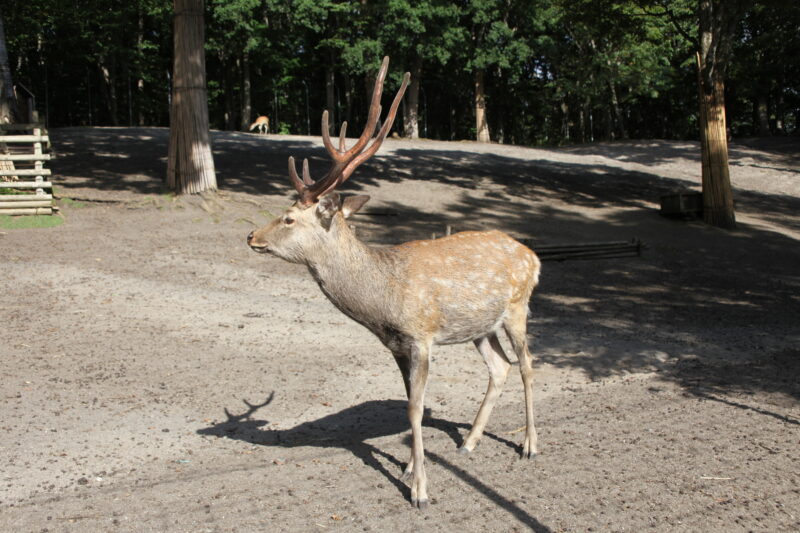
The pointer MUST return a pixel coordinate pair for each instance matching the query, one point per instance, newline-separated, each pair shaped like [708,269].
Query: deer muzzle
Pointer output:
[257,246]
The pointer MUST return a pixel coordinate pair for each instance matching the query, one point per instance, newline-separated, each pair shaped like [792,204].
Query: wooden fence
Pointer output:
[22,171]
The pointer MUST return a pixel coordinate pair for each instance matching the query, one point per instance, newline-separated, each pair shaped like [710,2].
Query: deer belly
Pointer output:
[462,323]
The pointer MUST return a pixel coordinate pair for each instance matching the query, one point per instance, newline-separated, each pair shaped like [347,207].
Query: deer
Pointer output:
[462,288]
[261,125]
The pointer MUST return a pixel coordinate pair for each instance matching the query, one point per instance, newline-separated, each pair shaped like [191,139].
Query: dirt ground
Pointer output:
[157,375]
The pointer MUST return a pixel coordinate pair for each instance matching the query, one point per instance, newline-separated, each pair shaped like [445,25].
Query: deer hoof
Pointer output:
[422,505]
[528,455]
[463,450]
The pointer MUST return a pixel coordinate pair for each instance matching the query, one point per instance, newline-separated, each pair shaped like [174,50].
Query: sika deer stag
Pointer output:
[455,289]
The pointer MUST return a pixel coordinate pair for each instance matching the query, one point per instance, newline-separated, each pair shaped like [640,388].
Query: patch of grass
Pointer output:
[69,202]
[7,190]
[30,221]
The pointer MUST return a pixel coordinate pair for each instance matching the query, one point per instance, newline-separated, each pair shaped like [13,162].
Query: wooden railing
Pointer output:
[22,171]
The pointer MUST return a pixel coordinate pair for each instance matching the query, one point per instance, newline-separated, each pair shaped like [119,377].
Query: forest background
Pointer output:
[542,71]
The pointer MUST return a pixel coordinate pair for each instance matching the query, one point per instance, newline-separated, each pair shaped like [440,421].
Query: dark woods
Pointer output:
[534,71]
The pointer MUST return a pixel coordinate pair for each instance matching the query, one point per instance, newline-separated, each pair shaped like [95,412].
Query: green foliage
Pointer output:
[555,70]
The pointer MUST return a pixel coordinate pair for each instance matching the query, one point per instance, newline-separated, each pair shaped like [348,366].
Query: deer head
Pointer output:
[307,225]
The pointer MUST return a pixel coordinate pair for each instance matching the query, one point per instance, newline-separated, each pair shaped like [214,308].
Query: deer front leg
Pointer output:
[418,378]
[404,364]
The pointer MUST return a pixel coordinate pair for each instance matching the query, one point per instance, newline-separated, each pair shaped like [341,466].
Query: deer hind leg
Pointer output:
[498,364]
[516,329]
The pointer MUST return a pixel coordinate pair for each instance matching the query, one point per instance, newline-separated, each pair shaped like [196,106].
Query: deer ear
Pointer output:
[352,204]
[329,205]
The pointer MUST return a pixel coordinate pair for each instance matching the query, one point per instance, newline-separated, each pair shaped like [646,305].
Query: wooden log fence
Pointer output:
[24,149]
[591,250]
[578,251]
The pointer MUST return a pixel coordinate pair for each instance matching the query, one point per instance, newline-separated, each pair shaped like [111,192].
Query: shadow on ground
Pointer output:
[695,291]
[351,429]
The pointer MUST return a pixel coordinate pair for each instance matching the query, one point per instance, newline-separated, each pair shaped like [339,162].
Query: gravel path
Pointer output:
[159,376]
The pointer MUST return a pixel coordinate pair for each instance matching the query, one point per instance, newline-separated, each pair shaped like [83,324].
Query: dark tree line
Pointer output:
[517,71]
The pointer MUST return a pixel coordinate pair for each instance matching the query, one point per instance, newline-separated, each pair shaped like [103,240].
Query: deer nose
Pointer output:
[249,237]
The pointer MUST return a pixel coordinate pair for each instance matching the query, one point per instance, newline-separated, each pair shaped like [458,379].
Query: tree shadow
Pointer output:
[351,428]
[728,297]
[134,160]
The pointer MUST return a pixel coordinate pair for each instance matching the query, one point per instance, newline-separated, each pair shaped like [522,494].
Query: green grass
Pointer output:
[30,221]
[6,190]
[69,202]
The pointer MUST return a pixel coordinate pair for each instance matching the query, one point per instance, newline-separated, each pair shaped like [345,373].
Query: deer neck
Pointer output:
[354,276]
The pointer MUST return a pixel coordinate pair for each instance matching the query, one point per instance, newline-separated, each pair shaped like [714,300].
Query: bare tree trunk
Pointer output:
[190,166]
[330,97]
[230,92]
[609,124]
[411,109]
[717,24]
[481,125]
[763,116]
[110,91]
[349,91]
[140,120]
[8,104]
[618,118]
[717,193]
[247,107]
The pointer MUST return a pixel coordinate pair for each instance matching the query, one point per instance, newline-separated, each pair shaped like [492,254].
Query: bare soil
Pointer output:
[157,375]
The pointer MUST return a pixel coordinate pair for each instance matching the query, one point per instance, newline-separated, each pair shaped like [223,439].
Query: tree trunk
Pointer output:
[230,93]
[618,118]
[110,91]
[481,125]
[717,193]
[330,97]
[762,111]
[190,166]
[8,104]
[411,109]
[247,108]
[349,91]
[717,25]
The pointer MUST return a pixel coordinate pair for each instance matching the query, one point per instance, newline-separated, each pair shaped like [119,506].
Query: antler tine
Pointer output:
[326,138]
[387,125]
[345,161]
[306,174]
[341,136]
[369,127]
[294,177]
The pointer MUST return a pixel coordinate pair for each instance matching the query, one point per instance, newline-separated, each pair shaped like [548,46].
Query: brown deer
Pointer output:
[460,288]
[261,124]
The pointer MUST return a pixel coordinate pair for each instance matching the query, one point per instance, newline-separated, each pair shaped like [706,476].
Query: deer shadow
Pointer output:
[351,429]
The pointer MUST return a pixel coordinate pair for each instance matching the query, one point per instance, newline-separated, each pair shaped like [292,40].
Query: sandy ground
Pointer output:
[157,375]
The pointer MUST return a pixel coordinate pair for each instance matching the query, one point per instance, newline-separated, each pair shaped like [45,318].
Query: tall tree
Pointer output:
[190,166]
[718,22]
[419,35]
[493,43]
[7,100]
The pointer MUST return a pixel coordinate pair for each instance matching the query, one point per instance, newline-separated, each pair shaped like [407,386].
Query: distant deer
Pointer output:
[261,124]
[460,288]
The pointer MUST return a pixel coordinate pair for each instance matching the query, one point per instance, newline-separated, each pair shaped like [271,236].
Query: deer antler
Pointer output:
[346,161]
[252,408]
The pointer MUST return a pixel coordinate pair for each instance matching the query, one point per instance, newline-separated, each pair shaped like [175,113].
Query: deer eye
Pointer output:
[288,221]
